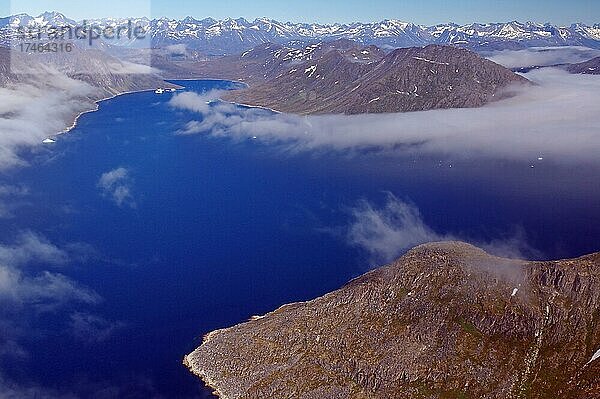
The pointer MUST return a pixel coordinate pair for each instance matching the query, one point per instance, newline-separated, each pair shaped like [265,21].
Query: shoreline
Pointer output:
[237,359]
[209,79]
[95,108]
[96,103]
[209,382]
[254,106]
[201,374]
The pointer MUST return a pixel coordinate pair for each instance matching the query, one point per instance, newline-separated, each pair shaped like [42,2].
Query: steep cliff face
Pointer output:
[446,320]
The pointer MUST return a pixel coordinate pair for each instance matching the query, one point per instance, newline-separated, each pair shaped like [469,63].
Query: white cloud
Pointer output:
[44,291]
[128,68]
[116,184]
[26,290]
[195,102]
[557,118]
[8,190]
[33,110]
[11,198]
[31,247]
[92,328]
[388,231]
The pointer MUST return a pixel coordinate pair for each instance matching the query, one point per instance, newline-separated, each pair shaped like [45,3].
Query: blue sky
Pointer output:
[418,11]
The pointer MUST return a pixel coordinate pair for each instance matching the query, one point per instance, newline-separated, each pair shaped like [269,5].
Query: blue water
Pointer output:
[221,230]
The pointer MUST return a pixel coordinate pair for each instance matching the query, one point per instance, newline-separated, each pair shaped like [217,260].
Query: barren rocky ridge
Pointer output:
[446,320]
[345,77]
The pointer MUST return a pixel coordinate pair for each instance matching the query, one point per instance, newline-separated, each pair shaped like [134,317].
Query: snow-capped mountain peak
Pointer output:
[229,36]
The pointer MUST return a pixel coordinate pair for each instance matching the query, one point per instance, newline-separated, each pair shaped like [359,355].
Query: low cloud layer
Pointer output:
[557,118]
[11,197]
[21,287]
[30,247]
[543,56]
[116,185]
[46,290]
[34,109]
[29,285]
[387,231]
[92,328]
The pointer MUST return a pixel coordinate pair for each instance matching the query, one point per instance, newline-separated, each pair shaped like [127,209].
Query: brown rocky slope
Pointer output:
[344,77]
[590,67]
[446,320]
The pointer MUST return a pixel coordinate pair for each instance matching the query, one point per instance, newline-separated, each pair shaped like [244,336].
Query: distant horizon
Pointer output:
[251,19]
[433,12]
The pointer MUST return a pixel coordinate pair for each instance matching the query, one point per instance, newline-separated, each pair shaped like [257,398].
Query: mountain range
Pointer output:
[446,320]
[231,36]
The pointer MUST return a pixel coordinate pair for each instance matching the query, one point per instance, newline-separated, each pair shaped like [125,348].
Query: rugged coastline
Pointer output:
[445,320]
[96,104]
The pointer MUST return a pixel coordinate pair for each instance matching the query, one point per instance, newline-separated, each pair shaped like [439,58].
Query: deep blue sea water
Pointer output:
[219,230]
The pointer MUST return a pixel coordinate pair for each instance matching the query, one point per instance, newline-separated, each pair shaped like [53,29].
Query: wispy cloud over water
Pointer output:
[21,287]
[12,390]
[387,231]
[32,247]
[11,197]
[116,185]
[31,289]
[29,285]
[92,328]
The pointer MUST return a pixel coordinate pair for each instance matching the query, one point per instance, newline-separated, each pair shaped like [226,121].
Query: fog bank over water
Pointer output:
[31,111]
[562,105]
[556,118]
